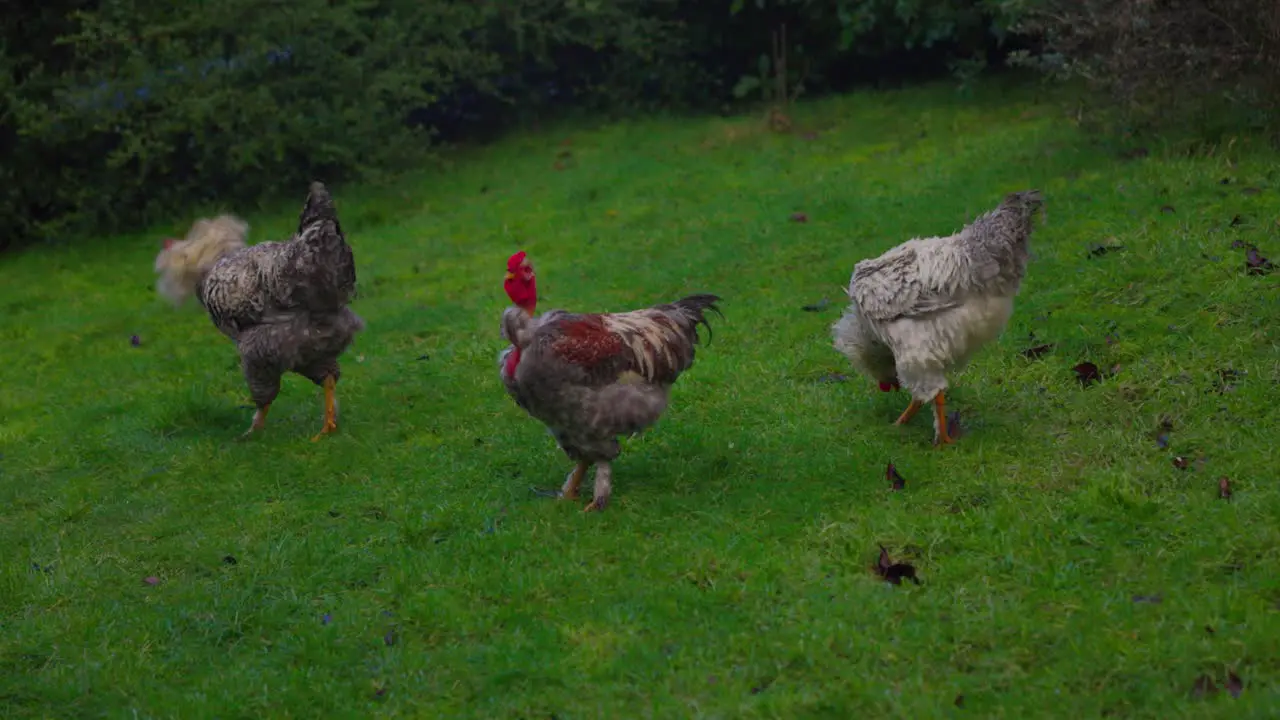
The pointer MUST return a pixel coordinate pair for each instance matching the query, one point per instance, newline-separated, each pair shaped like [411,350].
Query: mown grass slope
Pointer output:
[403,566]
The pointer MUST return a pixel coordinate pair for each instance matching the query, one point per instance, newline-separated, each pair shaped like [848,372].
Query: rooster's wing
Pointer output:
[654,345]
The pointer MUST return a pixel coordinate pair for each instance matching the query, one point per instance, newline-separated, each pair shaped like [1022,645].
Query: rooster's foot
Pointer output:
[603,488]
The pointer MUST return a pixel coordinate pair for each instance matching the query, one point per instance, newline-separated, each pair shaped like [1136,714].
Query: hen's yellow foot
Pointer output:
[909,413]
[330,427]
[259,421]
[570,489]
[330,410]
[940,410]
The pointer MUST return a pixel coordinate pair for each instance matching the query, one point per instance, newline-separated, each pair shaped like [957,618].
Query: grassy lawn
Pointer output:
[403,567]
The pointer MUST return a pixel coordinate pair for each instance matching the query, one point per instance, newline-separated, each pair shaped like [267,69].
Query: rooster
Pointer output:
[926,306]
[284,304]
[593,377]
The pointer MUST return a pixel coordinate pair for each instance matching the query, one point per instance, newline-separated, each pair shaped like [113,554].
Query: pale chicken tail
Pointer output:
[182,264]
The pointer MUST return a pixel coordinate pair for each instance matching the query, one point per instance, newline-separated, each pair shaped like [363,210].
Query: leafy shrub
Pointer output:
[1163,58]
[115,113]
[158,106]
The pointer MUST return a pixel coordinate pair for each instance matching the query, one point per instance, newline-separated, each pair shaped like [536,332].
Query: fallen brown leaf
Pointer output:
[894,572]
[1087,373]
[1034,352]
[1100,250]
[1204,687]
[1235,685]
[1255,264]
[896,481]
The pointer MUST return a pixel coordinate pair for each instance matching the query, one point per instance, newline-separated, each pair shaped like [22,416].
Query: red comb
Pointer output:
[513,262]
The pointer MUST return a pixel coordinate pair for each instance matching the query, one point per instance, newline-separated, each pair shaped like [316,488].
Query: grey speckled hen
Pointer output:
[593,377]
[924,307]
[283,303]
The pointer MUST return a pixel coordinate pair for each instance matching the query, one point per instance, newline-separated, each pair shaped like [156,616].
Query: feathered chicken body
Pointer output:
[926,306]
[593,377]
[283,303]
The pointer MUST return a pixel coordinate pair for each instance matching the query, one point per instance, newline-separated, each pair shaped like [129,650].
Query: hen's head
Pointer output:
[520,284]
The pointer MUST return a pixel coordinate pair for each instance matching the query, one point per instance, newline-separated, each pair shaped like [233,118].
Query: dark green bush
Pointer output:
[115,112]
[1174,61]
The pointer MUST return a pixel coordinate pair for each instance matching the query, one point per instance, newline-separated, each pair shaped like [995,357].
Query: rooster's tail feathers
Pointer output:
[184,263]
[695,307]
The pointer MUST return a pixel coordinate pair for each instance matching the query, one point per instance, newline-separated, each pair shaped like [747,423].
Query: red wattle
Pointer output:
[512,361]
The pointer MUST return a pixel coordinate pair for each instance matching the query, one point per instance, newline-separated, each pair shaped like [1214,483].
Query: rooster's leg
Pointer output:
[259,420]
[603,489]
[330,411]
[940,421]
[573,480]
[910,412]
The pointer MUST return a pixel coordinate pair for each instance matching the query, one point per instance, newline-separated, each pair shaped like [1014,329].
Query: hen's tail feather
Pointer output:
[1031,199]
[182,265]
[318,208]
[695,307]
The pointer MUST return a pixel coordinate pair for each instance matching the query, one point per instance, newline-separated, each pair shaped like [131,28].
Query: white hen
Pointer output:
[927,305]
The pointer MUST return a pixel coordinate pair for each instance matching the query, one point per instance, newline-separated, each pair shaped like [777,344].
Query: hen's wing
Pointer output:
[654,345]
[895,285]
[234,291]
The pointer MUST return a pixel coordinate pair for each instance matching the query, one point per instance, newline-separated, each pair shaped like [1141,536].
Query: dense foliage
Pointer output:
[117,112]
[1182,59]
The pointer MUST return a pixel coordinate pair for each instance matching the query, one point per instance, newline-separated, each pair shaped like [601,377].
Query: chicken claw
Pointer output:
[940,411]
[330,412]
[572,481]
[603,488]
[909,413]
[259,421]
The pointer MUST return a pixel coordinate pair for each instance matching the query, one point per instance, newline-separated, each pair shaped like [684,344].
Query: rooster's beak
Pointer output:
[511,275]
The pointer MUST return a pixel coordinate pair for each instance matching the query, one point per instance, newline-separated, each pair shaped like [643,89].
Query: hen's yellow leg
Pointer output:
[940,410]
[330,414]
[571,483]
[909,413]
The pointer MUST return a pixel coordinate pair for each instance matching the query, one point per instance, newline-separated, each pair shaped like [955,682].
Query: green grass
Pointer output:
[729,578]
